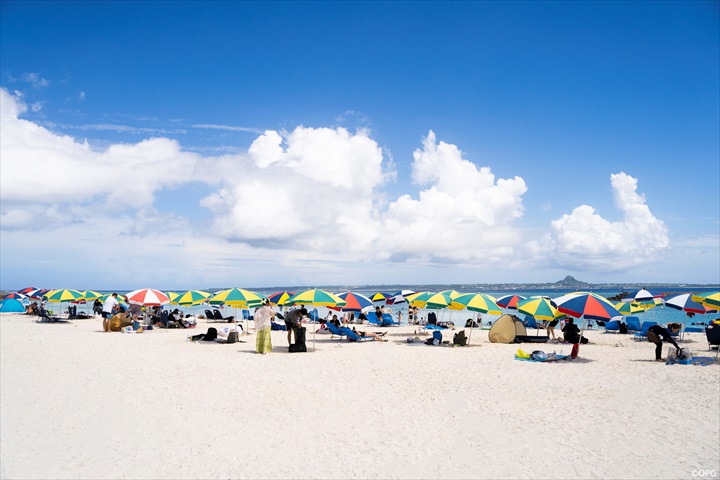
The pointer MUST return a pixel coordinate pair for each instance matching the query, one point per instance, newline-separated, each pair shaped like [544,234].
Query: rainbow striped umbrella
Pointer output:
[191,297]
[509,301]
[354,302]
[687,304]
[540,308]
[587,305]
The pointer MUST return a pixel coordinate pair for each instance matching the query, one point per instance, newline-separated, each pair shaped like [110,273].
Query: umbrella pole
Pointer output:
[581,334]
[312,307]
[471,327]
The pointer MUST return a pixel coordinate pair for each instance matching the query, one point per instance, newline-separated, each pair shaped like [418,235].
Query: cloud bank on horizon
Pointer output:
[310,205]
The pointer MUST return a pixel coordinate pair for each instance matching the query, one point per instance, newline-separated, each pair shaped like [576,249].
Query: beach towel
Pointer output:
[538,356]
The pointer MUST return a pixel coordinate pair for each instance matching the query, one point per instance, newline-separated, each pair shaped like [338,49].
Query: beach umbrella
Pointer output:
[588,306]
[191,297]
[629,308]
[63,295]
[509,301]
[279,298]
[399,297]
[380,297]
[540,308]
[418,299]
[91,295]
[641,296]
[710,300]
[316,297]
[685,303]
[37,293]
[16,296]
[148,297]
[27,290]
[237,298]
[120,297]
[478,303]
[354,302]
[172,296]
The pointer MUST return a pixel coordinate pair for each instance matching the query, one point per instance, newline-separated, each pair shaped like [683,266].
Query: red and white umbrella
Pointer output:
[147,296]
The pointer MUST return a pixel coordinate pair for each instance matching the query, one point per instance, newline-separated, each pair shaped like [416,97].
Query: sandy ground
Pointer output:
[79,403]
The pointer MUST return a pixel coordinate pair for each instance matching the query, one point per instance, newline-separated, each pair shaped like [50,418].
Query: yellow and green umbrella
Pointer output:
[237,298]
[91,295]
[64,295]
[711,300]
[540,308]
[630,308]
[479,302]
[191,297]
[418,299]
[316,297]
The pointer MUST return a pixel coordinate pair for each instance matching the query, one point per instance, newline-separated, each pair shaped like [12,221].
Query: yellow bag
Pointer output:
[521,354]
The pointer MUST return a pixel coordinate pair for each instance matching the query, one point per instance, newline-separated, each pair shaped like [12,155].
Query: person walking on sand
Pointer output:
[263,323]
[657,334]
[293,321]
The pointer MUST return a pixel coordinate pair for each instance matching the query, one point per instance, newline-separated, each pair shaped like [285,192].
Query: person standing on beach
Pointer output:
[109,307]
[293,321]
[263,323]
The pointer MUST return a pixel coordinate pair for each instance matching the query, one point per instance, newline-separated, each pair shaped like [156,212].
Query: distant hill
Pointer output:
[571,282]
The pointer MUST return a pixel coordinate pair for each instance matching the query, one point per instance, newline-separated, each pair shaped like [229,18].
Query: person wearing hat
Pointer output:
[263,324]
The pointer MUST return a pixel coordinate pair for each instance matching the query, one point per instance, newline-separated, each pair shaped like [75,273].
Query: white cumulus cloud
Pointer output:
[584,239]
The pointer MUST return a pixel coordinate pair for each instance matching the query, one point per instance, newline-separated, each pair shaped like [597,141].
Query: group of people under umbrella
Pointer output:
[582,305]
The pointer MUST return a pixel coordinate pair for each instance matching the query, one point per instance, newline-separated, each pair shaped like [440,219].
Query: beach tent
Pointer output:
[9,305]
[505,329]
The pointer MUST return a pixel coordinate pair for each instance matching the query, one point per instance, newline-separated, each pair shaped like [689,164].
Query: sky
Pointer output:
[180,145]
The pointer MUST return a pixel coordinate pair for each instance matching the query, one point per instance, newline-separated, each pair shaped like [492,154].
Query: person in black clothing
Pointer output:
[657,335]
[571,333]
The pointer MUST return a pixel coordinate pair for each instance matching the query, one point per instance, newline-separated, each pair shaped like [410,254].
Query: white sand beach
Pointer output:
[79,403]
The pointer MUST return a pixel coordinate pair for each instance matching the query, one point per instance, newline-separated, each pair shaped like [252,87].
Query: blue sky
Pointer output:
[189,145]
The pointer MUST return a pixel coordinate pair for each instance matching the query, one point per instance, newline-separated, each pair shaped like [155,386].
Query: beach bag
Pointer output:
[136,325]
[115,323]
[299,345]
[460,338]
[623,328]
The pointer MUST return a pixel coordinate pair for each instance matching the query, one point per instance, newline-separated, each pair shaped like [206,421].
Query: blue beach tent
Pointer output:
[11,305]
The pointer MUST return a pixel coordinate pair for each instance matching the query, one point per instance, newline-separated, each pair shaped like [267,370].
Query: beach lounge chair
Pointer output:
[45,317]
[530,322]
[712,332]
[219,317]
[633,324]
[612,326]
[373,319]
[335,330]
[387,320]
[352,336]
[642,334]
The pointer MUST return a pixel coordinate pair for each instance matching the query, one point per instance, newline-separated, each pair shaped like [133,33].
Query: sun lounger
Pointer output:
[612,326]
[712,332]
[354,337]
[387,320]
[219,317]
[633,324]
[642,334]
[334,330]
[45,317]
